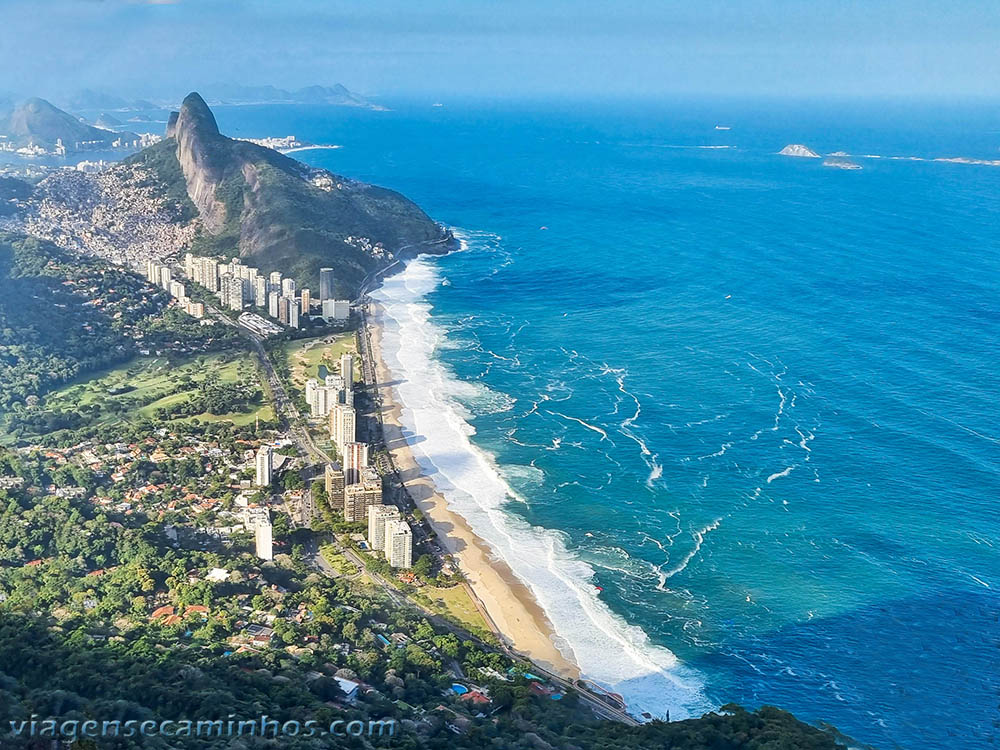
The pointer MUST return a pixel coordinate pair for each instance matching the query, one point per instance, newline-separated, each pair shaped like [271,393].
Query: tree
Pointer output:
[423,565]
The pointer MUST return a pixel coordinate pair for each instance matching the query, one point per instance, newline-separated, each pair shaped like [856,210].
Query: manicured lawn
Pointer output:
[454,601]
[166,382]
[305,356]
[337,561]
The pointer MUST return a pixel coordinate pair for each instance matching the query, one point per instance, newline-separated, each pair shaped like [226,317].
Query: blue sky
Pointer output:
[508,48]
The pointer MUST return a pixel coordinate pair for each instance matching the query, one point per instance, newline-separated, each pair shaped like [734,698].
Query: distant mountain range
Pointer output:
[88,99]
[36,122]
[337,95]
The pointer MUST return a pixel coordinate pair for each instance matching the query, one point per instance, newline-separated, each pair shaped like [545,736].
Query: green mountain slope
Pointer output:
[39,123]
[280,214]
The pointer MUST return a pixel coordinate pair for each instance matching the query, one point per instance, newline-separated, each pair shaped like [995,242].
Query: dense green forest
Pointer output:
[51,330]
[88,560]
[64,316]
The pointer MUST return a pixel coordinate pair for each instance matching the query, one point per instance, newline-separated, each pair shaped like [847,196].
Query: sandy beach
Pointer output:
[507,601]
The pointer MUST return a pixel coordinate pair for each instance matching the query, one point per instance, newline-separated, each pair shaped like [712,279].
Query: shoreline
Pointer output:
[314,147]
[509,605]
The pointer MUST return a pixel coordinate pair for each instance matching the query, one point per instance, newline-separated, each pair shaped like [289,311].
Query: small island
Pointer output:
[838,162]
[797,149]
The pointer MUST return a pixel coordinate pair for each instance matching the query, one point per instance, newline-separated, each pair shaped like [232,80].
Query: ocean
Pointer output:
[732,416]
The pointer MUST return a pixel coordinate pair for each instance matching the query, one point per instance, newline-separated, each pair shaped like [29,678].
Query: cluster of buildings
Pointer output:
[278,143]
[391,535]
[239,286]
[32,148]
[117,214]
[356,487]
[217,522]
[162,276]
[336,390]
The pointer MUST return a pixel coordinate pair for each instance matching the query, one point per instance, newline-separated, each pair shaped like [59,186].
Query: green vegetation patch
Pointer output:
[210,387]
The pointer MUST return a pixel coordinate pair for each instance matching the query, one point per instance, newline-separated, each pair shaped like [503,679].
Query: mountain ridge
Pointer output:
[38,122]
[338,95]
[286,215]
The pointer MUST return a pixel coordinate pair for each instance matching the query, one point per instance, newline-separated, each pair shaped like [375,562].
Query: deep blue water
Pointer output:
[755,396]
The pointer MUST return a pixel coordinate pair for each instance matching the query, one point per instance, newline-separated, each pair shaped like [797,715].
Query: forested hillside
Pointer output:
[61,316]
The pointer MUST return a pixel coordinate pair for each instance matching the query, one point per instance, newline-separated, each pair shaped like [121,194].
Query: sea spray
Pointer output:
[608,650]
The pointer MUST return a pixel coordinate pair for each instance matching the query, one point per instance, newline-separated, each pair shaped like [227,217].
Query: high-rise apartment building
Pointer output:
[265,466]
[343,426]
[336,310]
[398,544]
[347,371]
[258,520]
[354,459]
[334,481]
[292,311]
[361,495]
[326,284]
[260,291]
[231,290]
[377,517]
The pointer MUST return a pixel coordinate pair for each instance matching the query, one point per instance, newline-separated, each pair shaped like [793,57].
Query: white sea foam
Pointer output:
[699,539]
[608,650]
[780,474]
[594,428]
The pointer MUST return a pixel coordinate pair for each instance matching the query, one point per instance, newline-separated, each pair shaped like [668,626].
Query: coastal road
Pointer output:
[286,407]
[402,254]
[303,439]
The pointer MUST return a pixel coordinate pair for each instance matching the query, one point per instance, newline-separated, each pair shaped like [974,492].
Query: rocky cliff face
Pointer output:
[283,215]
[197,135]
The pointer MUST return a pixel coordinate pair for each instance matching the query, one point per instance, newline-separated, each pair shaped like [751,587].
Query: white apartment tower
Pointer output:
[378,516]
[259,521]
[344,426]
[264,541]
[232,292]
[265,466]
[311,385]
[398,544]
[260,291]
[323,401]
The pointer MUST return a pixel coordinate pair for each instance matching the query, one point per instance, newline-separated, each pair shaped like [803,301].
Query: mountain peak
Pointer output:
[39,122]
[196,114]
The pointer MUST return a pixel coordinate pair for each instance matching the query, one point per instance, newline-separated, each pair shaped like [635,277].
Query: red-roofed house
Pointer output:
[164,611]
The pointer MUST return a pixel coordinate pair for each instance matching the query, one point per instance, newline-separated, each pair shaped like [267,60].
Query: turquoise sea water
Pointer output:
[750,397]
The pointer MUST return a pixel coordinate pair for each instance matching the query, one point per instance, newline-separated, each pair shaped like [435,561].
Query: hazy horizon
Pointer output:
[760,48]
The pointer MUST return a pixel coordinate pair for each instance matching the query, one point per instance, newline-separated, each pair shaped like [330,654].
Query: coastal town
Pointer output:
[312,461]
[205,483]
[249,512]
